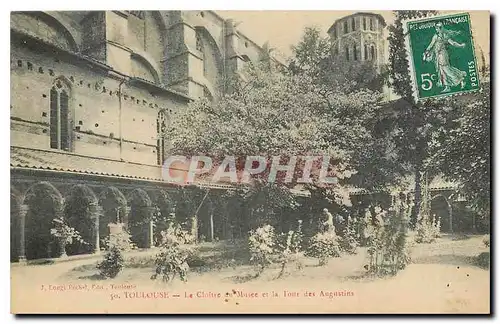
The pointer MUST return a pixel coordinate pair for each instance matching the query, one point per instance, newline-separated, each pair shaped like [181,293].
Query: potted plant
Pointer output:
[65,235]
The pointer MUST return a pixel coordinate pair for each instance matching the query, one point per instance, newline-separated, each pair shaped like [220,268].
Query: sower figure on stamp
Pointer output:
[448,76]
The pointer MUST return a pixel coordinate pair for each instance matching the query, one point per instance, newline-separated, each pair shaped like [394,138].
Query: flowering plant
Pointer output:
[65,233]
[261,243]
[172,259]
[289,247]
[323,246]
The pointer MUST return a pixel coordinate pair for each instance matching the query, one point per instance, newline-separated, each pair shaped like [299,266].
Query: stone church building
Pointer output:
[91,93]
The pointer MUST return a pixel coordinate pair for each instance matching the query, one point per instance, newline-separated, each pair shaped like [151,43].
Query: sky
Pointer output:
[284,28]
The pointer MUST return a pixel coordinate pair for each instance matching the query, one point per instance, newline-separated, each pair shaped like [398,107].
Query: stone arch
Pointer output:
[210,217]
[16,195]
[441,207]
[45,204]
[145,68]
[165,205]
[15,224]
[114,205]
[140,197]
[140,217]
[79,206]
[55,32]
[157,15]
[155,38]
[64,81]
[212,58]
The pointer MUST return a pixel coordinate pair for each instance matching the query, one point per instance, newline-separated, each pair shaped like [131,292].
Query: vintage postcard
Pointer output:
[250,162]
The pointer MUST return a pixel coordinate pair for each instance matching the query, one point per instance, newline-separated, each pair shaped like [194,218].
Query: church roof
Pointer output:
[62,161]
[21,157]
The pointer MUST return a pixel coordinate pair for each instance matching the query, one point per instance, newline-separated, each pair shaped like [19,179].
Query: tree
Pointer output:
[352,90]
[414,122]
[274,114]
[463,152]
[313,56]
[270,114]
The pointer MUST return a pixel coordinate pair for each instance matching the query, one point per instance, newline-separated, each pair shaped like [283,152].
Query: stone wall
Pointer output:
[94,105]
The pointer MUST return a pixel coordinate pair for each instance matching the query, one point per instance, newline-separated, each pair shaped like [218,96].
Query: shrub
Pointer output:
[120,240]
[113,261]
[65,234]
[324,245]
[483,260]
[388,244]
[348,242]
[428,229]
[261,244]
[173,256]
[486,241]
[289,246]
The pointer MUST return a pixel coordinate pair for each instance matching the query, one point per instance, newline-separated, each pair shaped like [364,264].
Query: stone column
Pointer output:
[150,236]
[59,213]
[123,219]
[23,210]
[97,212]
[211,222]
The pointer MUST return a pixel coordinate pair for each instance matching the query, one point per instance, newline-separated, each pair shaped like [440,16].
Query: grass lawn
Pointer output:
[443,278]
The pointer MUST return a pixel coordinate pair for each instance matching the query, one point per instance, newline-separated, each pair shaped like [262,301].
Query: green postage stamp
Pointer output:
[441,55]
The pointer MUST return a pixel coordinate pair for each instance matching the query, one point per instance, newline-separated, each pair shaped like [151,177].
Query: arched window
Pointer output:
[138,14]
[355,52]
[366,53]
[200,47]
[353,23]
[371,24]
[199,41]
[346,27]
[373,53]
[161,126]
[347,53]
[364,23]
[60,127]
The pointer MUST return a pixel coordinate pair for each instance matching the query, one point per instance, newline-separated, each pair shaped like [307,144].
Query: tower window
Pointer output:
[353,22]
[59,117]
[347,53]
[335,32]
[161,127]
[138,14]
[366,53]
[200,47]
[199,41]
[355,53]
[371,24]
[346,27]
[364,23]
[373,52]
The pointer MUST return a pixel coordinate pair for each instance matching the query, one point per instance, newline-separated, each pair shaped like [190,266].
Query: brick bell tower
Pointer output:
[359,37]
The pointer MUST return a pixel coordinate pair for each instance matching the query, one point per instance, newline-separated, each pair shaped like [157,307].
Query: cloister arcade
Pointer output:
[89,206]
